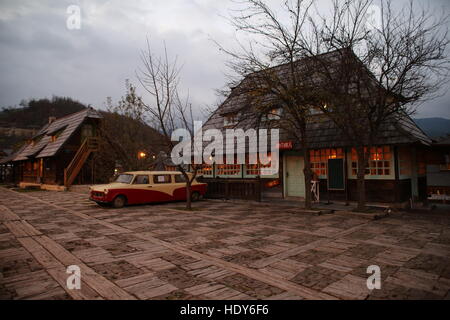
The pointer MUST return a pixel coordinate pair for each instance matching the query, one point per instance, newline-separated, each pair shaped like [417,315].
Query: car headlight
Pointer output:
[105,191]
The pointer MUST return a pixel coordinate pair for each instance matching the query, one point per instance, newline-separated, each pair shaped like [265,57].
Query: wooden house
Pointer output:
[396,170]
[55,155]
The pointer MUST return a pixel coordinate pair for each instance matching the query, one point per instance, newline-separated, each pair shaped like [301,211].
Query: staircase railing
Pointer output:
[89,145]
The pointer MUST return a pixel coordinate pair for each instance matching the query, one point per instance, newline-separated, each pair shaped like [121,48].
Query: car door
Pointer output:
[179,183]
[162,187]
[140,190]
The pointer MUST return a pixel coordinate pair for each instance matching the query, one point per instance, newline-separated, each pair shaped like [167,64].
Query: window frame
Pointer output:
[154,180]
[319,160]
[141,175]
[378,157]
[178,175]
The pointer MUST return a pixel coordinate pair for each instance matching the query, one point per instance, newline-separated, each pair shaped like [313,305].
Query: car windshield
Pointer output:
[124,178]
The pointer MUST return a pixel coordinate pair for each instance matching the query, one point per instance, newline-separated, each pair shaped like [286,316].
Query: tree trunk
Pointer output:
[307,173]
[306,169]
[188,195]
[361,184]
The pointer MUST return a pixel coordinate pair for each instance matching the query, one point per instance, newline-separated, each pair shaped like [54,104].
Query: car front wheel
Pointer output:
[119,202]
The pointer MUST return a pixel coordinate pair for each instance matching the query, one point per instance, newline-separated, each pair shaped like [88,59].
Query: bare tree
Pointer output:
[125,136]
[167,111]
[273,42]
[359,75]
[379,74]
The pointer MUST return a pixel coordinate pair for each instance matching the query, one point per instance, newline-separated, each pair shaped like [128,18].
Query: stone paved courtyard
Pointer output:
[223,250]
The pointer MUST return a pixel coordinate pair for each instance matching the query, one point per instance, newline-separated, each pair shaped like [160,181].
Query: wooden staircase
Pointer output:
[87,147]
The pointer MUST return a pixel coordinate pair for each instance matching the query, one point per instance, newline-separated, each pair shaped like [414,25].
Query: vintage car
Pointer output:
[145,187]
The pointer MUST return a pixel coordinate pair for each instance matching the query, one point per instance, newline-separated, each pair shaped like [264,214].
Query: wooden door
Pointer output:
[295,180]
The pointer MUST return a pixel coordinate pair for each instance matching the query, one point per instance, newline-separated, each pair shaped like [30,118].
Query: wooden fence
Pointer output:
[233,188]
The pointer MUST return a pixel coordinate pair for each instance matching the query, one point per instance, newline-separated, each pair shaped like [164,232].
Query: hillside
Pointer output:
[20,123]
[35,113]
[434,127]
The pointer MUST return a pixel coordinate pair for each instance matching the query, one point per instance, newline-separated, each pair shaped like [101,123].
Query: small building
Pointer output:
[438,171]
[57,153]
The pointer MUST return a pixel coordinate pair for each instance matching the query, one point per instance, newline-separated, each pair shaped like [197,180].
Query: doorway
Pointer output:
[295,180]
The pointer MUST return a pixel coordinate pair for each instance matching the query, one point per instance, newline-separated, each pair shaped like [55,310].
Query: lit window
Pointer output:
[206,170]
[255,169]
[379,163]
[319,159]
[170,168]
[228,169]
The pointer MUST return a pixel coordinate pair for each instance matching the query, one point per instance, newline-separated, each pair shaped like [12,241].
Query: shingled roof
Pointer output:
[323,133]
[44,146]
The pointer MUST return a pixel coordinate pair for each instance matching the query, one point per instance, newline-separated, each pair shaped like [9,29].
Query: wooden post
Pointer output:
[346,177]
[92,170]
[227,195]
[259,192]
[414,175]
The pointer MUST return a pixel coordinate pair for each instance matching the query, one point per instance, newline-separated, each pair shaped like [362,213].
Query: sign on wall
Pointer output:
[285,145]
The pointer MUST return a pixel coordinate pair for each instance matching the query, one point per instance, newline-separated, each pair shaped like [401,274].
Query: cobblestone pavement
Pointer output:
[222,250]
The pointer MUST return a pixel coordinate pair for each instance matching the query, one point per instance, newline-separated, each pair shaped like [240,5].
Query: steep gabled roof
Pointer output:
[322,134]
[44,146]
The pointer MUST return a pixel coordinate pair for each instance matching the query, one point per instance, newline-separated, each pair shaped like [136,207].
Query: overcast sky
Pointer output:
[41,57]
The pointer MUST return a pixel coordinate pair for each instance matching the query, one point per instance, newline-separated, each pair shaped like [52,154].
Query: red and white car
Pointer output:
[146,187]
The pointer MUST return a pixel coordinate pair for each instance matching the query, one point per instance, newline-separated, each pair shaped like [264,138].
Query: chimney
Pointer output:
[51,119]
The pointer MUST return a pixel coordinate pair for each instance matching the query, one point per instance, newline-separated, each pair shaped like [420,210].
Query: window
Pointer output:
[161,178]
[319,160]
[379,163]
[35,141]
[206,170]
[228,169]
[274,114]
[318,110]
[124,178]
[255,169]
[230,119]
[54,135]
[141,179]
[170,168]
[179,178]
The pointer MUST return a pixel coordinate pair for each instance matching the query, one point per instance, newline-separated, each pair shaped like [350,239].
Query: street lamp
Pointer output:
[141,155]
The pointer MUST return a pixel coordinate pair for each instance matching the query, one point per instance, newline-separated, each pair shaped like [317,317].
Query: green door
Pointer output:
[295,180]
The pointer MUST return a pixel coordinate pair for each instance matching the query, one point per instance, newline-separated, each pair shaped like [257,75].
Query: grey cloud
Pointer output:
[40,57]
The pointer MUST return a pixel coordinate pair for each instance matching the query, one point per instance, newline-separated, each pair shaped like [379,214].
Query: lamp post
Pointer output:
[141,155]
